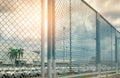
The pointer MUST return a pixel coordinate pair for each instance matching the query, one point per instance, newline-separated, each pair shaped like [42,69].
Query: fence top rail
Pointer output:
[99,14]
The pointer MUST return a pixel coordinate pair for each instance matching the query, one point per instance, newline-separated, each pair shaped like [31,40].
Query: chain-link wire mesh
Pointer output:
[118,48]
[84,42]
[20,36]
[62,35]
[75,39]
[83,37]
[107,45]
[83,32]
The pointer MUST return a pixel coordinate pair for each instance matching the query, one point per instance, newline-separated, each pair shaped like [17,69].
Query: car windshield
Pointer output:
[9,70]
[17,70]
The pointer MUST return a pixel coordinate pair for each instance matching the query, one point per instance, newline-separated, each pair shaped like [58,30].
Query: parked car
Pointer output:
[2,74]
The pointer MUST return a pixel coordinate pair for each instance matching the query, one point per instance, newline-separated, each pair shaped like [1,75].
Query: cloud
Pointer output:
[11,5]
[108,8]
[20,27]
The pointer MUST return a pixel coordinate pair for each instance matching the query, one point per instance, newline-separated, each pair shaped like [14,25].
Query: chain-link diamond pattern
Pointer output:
[20,28]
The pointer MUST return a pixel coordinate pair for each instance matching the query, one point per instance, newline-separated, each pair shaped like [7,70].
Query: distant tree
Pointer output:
[15,54]
[20,53]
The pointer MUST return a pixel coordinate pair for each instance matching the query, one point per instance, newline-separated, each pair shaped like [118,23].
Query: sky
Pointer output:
[110,9]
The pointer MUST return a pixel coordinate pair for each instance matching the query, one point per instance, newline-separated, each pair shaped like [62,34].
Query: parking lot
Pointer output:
[19,72]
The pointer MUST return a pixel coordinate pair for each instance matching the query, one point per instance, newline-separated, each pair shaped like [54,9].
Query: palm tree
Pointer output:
[20,53]
[12,53]
[15,54]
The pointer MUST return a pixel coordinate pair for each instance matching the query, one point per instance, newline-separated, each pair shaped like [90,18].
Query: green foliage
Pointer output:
[15,53]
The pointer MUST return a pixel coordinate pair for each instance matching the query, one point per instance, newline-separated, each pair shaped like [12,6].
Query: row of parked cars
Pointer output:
[76,70]
[34,72]
[17,73]
[87,69]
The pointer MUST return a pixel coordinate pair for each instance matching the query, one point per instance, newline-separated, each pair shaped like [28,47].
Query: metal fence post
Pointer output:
[42,36]
[49,54]
[116,52]
[53,38]
[70,41]
[50,37]
[98,45]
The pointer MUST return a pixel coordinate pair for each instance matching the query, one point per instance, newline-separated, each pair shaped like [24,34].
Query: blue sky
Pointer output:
[110,9]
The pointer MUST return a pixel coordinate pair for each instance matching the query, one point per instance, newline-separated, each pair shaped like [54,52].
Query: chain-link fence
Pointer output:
[84,41]
[118,49]
[20,38]
[107,45]
[62,35]
[82,21]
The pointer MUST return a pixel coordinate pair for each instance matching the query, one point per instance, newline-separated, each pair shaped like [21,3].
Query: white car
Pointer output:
[37,72]
[2,73]
[18,73]
[10,72]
